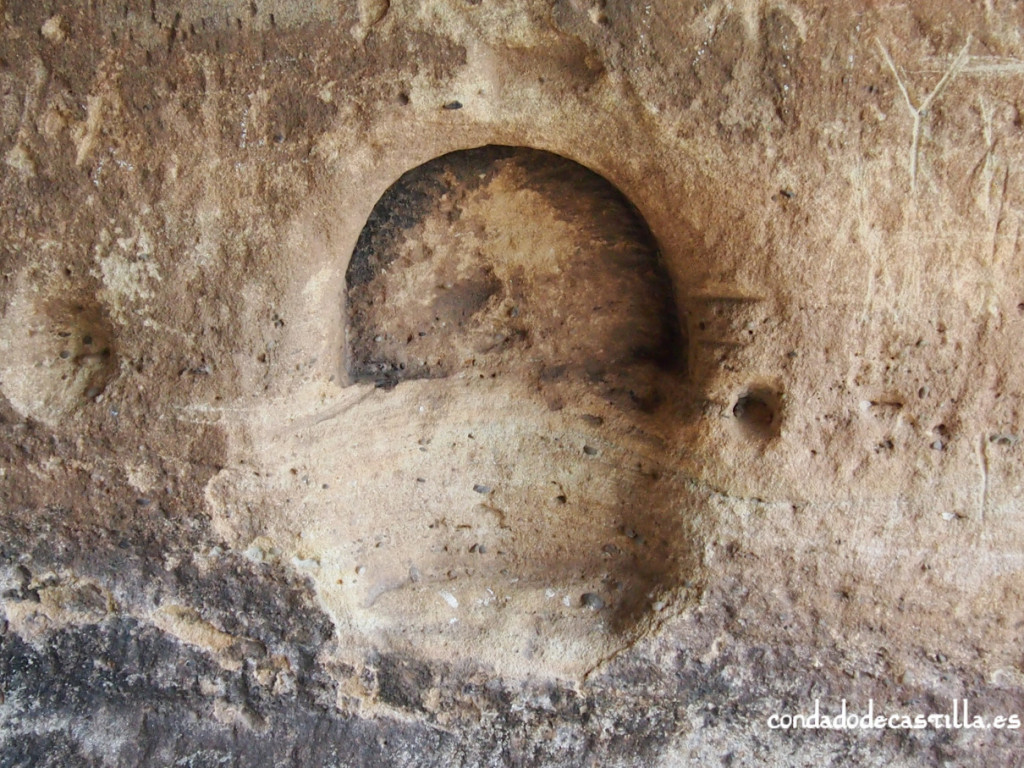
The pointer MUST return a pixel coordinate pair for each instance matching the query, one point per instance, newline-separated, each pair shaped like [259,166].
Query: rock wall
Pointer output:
[477,383]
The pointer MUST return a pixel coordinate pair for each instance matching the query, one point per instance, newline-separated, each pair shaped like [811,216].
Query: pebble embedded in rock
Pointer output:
[592,600]
[53,29]
[482,488]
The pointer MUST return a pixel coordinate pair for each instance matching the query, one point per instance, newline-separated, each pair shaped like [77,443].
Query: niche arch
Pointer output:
[504,260]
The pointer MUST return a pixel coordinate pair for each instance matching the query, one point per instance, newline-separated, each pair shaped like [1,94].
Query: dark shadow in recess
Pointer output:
[446,275]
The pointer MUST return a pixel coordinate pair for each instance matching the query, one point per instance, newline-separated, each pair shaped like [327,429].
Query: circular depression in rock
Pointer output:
[757,412]
[59,352]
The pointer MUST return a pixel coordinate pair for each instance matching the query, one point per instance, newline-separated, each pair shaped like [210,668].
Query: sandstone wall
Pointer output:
[222,543]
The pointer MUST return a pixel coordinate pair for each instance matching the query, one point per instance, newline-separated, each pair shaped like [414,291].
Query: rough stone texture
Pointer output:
[216,548]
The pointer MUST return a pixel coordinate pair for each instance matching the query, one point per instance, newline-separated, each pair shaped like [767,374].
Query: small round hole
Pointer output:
[757,412]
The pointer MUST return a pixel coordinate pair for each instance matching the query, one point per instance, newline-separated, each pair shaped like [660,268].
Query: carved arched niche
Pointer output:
[505,261]
[510,491]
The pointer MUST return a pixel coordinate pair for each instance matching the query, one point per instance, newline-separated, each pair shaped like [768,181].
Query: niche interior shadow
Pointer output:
[502,259]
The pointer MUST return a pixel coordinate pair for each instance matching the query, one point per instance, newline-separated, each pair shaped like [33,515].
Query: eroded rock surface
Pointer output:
[716,410]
